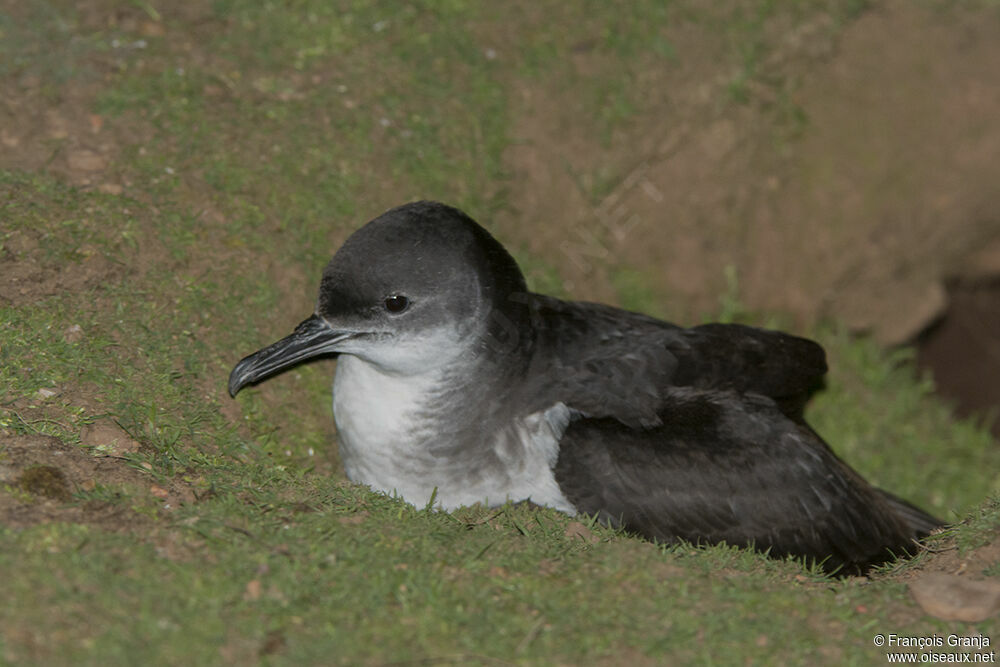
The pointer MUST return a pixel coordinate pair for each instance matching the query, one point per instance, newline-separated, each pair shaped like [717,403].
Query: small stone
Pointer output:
[56,125]
[86,160]
[44,393]
[580,531]
[73,334]
[151,29]
[108,438]
[158,491]
[9,140]
[954,598]
[252,591]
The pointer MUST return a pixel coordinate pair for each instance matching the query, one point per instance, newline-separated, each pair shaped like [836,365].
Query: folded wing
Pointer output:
[605,362]
[722,468]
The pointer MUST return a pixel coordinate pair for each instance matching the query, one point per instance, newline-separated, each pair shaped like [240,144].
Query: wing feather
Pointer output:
[725,468]
[606,362]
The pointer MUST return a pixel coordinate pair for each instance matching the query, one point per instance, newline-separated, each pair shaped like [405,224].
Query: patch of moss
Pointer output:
[47,481]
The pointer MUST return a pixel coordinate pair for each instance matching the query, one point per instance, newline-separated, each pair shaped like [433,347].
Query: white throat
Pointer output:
[393,432]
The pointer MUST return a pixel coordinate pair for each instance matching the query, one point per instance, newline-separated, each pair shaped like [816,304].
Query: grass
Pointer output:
[877,408]
[265,137]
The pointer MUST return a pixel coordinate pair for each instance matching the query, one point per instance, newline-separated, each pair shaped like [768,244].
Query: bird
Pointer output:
[456,385]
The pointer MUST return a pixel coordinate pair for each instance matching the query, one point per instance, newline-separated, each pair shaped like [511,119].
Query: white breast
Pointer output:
[388,439]
[376,415]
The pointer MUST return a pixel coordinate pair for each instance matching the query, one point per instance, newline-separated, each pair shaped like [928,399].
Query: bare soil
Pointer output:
[887,188]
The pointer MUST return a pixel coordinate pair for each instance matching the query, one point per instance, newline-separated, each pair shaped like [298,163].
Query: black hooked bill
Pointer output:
[312,338]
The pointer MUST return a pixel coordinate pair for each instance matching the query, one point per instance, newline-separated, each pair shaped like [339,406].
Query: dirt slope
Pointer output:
[859,173]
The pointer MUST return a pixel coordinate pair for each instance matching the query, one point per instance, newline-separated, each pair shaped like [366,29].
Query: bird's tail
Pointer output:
[917,520]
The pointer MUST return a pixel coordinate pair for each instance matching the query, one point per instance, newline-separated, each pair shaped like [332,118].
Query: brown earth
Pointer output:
[887,185]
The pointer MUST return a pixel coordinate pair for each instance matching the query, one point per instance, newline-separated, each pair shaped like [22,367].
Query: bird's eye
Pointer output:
[396,303]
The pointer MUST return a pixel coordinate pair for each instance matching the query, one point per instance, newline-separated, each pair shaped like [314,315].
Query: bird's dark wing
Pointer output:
[606,362]
[724,467]
[735,357]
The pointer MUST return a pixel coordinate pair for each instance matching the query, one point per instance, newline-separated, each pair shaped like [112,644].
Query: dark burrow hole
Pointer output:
[962,349]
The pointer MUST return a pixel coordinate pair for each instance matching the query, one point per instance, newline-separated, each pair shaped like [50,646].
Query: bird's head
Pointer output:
[411,290]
